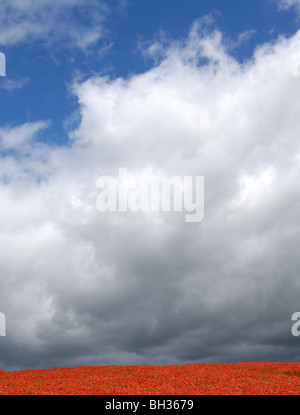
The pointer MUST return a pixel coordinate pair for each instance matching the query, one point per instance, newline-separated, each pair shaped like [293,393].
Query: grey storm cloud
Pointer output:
[82,287]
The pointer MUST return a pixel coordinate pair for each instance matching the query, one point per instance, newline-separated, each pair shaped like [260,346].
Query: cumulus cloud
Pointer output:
[53,21]
[83,287]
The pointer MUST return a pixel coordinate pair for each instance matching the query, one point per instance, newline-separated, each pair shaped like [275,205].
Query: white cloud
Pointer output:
[16,137]
[286,4]
[83,287]
[11,84]
[53,21]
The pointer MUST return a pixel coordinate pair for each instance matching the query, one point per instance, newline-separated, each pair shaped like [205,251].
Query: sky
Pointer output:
[194,88]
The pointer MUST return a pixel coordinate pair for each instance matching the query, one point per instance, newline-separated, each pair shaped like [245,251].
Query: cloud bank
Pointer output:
[82,287]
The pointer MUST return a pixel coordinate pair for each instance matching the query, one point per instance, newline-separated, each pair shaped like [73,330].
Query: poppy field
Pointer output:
[254,378]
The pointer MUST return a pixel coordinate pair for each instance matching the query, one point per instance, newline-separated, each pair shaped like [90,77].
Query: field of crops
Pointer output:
[253,378]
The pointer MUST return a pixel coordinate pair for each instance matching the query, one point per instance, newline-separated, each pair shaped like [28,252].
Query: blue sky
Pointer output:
[199,88]
[47,71]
